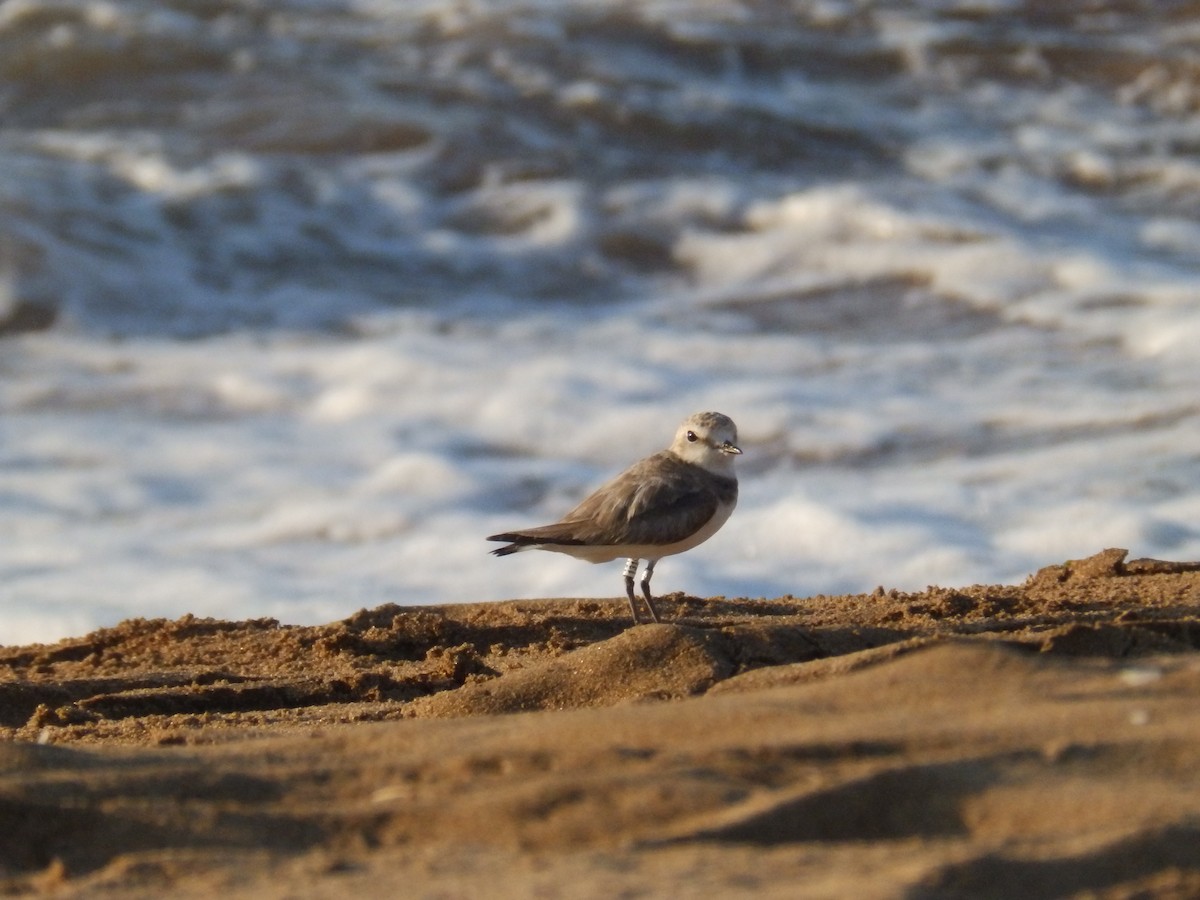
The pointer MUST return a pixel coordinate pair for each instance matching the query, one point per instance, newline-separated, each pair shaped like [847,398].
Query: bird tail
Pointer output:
[527,541]
[519,542]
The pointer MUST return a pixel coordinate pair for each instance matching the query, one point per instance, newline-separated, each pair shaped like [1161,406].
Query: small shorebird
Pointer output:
[665,504]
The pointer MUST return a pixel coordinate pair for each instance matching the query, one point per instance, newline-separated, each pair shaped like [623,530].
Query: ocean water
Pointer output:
[300,300]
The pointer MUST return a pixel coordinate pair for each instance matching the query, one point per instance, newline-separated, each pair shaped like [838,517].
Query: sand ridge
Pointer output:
[946,743]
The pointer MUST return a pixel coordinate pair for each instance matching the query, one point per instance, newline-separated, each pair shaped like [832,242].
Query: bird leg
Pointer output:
[631,567]
[646,589]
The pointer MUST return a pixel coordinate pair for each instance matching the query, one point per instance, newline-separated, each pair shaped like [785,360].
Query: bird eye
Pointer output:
[692,436]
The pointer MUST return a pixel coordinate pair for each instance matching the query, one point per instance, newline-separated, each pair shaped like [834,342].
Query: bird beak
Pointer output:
[729,448]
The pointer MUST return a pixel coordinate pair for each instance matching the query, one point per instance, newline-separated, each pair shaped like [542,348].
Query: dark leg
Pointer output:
[630,571]
[646,589]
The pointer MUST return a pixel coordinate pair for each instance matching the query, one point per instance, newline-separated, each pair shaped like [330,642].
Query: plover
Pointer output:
[665,504]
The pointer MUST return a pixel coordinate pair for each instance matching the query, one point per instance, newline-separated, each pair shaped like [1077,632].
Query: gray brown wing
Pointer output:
[660,500]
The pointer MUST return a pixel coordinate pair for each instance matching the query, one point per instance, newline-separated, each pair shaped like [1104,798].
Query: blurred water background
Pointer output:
[301,299]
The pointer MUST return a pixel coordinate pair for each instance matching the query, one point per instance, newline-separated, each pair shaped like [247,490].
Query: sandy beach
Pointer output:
[1033,740]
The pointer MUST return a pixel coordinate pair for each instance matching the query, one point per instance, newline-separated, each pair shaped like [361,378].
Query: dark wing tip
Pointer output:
[538,537]
[511,548]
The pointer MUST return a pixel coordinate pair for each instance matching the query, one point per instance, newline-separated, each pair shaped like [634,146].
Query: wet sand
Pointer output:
[1033,740]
